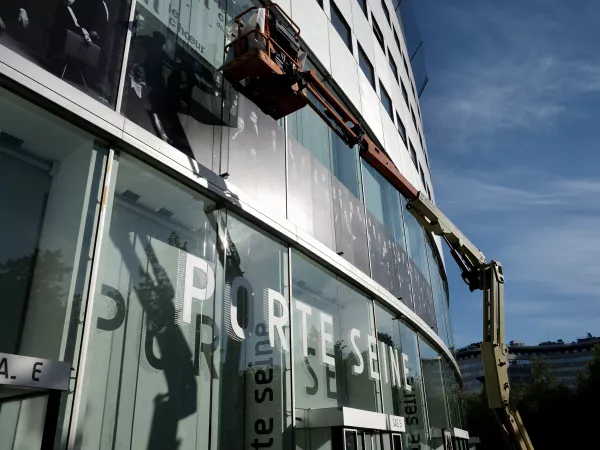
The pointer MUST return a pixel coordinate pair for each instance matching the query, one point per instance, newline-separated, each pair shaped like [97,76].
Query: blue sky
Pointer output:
[512,122]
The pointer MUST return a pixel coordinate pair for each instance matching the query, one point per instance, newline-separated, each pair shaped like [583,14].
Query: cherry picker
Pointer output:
[265,63]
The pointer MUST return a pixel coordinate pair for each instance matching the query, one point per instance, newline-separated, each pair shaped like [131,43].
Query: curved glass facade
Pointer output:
[190,315]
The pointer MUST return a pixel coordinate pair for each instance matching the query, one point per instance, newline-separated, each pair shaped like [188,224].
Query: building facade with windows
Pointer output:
[567,361]
[212,278]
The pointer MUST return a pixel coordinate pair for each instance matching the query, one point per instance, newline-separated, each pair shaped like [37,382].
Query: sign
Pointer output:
[37,373]
[396,423]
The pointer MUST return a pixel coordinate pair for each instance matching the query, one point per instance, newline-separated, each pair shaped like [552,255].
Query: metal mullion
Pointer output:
[125,61]
[107,194]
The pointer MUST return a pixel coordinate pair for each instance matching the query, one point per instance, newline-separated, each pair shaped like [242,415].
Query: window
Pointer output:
[406,67]
[422,175]
[386,11]
[366,66]
[46,238]
[386,100]
[378,33]
[320,2]
[341,26]
[404,93]
[363,5]
[334,332]
[393,66]
[387,247]
[401,128]
[413,154]
[397,39]
[412,113]
[53,35]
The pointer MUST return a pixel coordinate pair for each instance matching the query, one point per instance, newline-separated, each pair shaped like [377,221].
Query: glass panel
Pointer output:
[433,378]
[174,90]
[81,42]
[389,260]
[51,177]
[324,187]
[348,208]
[419,271]
[251,395]
[335,348]
[309,179]
[390,360]
[436,271]
[150,363]
[416,436]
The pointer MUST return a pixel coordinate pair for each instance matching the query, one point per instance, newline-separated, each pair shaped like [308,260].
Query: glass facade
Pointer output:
[188,322]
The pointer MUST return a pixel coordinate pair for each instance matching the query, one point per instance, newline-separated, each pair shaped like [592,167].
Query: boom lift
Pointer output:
[265,63]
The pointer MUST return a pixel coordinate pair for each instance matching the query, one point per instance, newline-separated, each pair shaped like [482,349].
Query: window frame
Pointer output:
[393,66]
[364,59]
[404,93]
[397,39]
[386,12]
[363,6]
[341,21]
[413,154]
[377,32]
[384,93]
[401,128]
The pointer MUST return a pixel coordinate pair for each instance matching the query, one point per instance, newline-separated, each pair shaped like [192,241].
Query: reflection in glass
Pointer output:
[419,271]
[252,393]
[416,436]
[150,365]
[388,336]
[51,181]
[334,341]
[175,90]
[433,379]
[389,259]
[79,41]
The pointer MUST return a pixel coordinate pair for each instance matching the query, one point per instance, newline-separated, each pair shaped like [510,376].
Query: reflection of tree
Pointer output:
[175,241]
[17,287]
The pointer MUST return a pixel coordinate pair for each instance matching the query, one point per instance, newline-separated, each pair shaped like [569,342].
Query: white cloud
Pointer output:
[521,73]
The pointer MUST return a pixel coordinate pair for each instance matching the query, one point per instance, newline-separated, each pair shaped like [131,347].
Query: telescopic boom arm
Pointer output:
[488,277]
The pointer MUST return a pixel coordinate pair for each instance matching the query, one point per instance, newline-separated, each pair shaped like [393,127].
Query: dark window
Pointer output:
[386,11]
[412,113]
[413,154]
[406,67]
[386,101]
[341,26]
[401,128]
[393,66]
[320,2]
[404,93]
[378,33]
[363,5]
[397,39]
[422,175]
[366,66]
